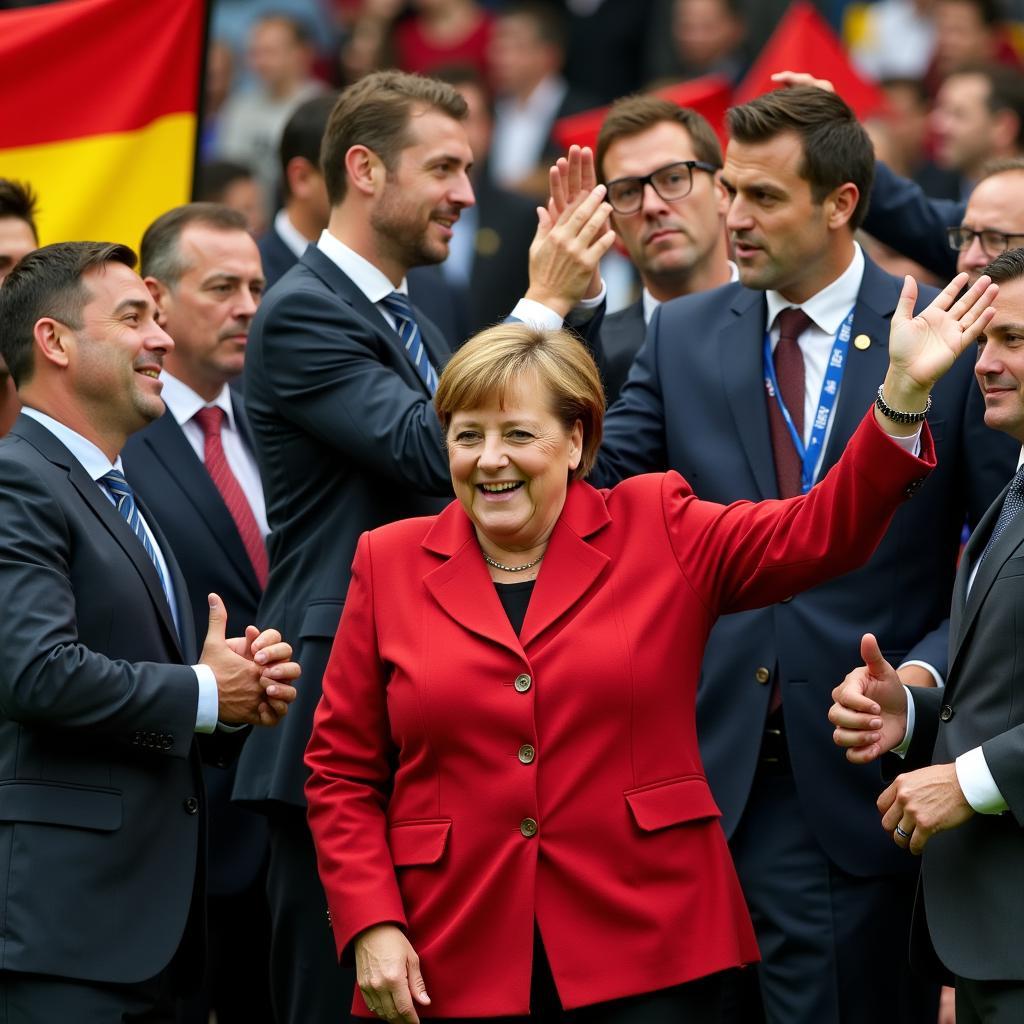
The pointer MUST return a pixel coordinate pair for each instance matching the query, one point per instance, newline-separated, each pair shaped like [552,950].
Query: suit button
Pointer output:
[946,713]
[191,805]
[330,923]
[522,683]
[527,753]
[528,826]
[762,675]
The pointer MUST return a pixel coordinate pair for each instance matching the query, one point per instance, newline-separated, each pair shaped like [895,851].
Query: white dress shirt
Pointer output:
[184,403]
[521,130]
[97,465]
[650,303]
[289,233]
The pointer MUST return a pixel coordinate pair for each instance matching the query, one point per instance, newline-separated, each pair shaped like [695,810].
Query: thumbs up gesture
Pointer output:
[870,709]
[254,673]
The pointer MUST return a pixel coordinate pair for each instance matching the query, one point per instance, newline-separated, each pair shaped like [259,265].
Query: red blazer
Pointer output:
[426,806]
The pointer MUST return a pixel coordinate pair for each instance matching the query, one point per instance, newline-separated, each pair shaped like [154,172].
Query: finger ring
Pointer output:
[901,832]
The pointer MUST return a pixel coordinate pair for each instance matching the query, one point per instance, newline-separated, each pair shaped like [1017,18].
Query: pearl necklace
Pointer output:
[510,568]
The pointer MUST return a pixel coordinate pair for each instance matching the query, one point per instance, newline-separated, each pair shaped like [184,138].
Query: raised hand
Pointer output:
[570,178]
[870,709]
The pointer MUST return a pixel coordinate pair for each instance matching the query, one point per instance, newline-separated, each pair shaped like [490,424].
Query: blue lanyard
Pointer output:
[810,455]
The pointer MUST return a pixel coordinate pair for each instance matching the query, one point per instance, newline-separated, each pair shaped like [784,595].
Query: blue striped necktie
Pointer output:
[1012,505]
[400,308]
[124,500]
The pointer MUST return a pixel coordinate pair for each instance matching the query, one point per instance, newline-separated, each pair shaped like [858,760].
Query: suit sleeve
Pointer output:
[933,649]
[634,428]
[751,554]
[51,679]
[349,757]
[328,378]
[1004,755]
[901,216]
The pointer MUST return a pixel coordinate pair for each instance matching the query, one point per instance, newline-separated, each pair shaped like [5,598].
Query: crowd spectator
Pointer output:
[969,31]
[892,38]
[704,37]
[236,186]
[443,33]
[218,82]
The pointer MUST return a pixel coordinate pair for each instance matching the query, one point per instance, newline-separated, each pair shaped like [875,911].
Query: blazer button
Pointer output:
[522,683]
[762,675]
[527,753]
[528,826]
[946,713]
[191,805]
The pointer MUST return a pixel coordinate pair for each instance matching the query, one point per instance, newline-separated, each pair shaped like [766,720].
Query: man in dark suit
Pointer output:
[305,212]
[338,380]
[102,823]
[661,164]
[829,899]
[960,800]
[195,469]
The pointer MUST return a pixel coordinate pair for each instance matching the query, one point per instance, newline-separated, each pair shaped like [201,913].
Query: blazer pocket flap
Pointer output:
[321,619]
[671,803]
[44,803]
[418,842]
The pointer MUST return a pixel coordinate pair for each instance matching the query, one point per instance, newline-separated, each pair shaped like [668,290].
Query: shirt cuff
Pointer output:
[536,314]
[596,301]
[901,750]
[980,789]
[206,711]
[934,672]
[911,444]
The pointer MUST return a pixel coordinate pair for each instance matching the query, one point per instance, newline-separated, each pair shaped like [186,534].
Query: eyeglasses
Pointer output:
[992,242]
[672,182]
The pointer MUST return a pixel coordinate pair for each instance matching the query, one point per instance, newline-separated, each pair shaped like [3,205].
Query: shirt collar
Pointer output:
[370,280]
[650,303]
[829,307]
[184,403]
[289,233]
[95,463]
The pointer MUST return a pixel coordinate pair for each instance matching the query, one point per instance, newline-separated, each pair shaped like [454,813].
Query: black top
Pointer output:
[515,599]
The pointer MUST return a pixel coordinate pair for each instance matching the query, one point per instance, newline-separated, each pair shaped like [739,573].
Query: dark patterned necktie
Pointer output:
[1012,504]
[400,308]
[790,378]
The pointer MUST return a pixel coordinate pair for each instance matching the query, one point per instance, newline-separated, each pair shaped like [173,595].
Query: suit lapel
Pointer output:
[865,368]
[167,443]
[740,351]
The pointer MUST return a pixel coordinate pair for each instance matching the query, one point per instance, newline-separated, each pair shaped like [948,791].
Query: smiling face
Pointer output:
[1000,365]
[666,241]
[510,467]
[209,310]
[424,194]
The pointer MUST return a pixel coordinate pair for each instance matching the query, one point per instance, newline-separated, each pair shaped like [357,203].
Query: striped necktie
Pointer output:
[124,500]
[1012,505]
[400,308]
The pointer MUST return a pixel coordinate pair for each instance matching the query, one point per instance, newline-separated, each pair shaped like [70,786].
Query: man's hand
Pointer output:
[922,803]
[570,179]
[388,974]
[870,709]
[787,79]
[566,251]
[253,672]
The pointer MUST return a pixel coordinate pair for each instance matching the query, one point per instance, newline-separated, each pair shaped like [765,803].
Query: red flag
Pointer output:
[804,41]
[709,96]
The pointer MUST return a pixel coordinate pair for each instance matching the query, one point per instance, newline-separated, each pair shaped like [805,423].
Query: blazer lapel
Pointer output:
[865,368]
[740,351]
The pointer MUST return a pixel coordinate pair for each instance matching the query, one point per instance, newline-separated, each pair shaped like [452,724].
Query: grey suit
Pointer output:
[622,334]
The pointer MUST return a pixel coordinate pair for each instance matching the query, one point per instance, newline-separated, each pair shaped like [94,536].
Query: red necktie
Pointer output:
[211,420]
[789,375]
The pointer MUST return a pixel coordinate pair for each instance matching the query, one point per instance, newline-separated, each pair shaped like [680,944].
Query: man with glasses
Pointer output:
[752,391]
[660,163]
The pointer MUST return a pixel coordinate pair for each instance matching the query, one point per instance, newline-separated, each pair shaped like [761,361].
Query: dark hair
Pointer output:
[457,75]
[48,283]
[217,176]
[1005,90]
[632,115]
[374,112]
[160,255]
[1001,165]
[836,149]
[303,134]
[548,22]
[18,200]
[300,30]
[1007,266]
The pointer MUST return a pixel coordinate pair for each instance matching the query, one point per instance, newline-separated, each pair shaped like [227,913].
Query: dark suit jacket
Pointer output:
[346,440]
[101,817]
[506,223]
[163,468]
[973,876]
[695,402]
[906,219]
[622,334]
[276,257]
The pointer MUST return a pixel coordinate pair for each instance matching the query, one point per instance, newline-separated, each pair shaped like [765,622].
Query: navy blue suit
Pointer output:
[275,255]
[695,402]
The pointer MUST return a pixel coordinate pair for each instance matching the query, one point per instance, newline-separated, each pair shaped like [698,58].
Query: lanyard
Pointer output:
[810,455]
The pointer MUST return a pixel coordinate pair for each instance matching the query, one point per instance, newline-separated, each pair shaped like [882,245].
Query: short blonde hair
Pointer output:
[491,363]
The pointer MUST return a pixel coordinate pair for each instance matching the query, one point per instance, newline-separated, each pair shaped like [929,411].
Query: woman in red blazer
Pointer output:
[506,797]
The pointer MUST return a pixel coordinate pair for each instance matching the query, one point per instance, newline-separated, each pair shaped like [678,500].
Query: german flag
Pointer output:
[99,111]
